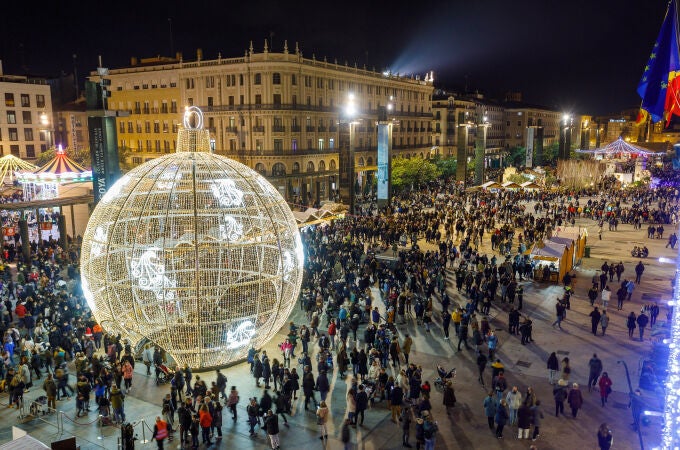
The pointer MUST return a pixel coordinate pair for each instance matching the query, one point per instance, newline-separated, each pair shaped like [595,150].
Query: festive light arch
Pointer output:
[194,251]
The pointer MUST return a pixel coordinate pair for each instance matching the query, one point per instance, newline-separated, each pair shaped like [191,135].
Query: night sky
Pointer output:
[580,56]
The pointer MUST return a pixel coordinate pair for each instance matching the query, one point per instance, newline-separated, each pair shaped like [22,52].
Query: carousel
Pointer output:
[44,183]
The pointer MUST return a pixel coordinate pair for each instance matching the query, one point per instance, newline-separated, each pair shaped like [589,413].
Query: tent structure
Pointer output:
[489,185]
[529,185]
[10,165]
[312,215]
[551,254]
[620,149]
[510,185]
[43,183]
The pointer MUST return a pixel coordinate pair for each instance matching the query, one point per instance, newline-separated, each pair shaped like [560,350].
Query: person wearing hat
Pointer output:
[560,395]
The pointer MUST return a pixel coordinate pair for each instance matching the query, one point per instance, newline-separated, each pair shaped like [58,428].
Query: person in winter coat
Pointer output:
[362,404]
[257,370]
[308,385]
[604,321]
[160,432]
[642,321]
[631,324]
[560,395]
[351,405]
[266,370]
[524,415]
[322,385]
[345,437]
[575,399]
[50,388]
[449,398]
[553,367]
[322,413]
[205,419]
[363,365]
[605,385]
[536,416]
[271,424]
[604,437]
[514,401]
[501,418]
[342,361]
[490,409]
[127,375]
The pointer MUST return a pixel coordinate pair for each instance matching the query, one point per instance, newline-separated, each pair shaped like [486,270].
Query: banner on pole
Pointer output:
[530,147]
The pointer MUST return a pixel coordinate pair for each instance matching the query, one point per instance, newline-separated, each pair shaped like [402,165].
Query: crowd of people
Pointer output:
[364,277]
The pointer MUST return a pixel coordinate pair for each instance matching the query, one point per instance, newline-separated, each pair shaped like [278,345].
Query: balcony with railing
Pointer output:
[278,129]
[310,129]
[258,129]
[295,128]
[232,130]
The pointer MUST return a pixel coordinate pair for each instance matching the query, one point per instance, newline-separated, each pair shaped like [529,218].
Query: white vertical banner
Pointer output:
[530,147]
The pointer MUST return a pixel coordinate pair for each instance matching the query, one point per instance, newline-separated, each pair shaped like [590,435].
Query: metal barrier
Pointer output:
[41,411]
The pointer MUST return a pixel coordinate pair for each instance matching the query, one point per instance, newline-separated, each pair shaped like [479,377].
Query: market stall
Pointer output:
[554,257]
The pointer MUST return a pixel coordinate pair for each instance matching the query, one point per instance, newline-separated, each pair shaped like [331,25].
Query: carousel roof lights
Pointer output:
[619,146]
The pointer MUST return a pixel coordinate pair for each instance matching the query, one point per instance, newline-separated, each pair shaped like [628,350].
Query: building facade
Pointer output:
[26,123]
[280,113]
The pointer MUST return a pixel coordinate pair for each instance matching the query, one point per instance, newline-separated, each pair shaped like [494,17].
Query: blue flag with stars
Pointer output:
[661,67]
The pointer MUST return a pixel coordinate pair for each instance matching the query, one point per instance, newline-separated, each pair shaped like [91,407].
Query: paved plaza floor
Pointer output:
[466,428]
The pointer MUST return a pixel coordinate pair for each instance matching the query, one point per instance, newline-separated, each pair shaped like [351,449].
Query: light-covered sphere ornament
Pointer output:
[195,252]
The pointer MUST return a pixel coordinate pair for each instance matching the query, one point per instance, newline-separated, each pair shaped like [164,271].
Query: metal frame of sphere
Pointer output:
[195,252]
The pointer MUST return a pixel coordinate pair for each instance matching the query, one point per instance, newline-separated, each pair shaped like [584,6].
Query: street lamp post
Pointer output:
[480,148]
[347,175]
[461,150]
[565,137]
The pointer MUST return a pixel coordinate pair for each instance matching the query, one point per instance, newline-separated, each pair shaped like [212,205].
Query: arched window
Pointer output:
[296,167]
[322,166]
[310,166]
[278,170]
[331,165]
[258,79]
[259,168]
[276,78]
[369,161]
[361,161]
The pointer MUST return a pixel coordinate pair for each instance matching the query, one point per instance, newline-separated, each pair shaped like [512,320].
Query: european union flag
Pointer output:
[662,66]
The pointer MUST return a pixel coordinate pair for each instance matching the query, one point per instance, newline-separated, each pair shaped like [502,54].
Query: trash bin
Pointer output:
[587,253]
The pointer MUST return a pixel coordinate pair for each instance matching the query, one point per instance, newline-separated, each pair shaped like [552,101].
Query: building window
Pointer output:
[42,135]
[293,80]
[310,166]
[11,117]
[331,143]
[26,117]
[278,146]
[309,144]
[173,106]
[276,78]
[320,144]
[9,99]
[189,83]
[25,101]
[231,100]
[14,149]
[293,144]
[147,127]
[278,170]
[158,146]
[156,127]
[30,151]
[164,107]
[258,79]
[258,99]
[210,102]
[258,145]
[121,127]
[240,79]
[166,126]
[139,126]
[28,134]
[232,145]
[210,81]
[277,99]
[13,134]
[40,101]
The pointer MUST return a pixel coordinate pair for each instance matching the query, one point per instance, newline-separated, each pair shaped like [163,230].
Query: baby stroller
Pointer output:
[105,412]
[164,374]
[443,377]
[374,390]
[39,407]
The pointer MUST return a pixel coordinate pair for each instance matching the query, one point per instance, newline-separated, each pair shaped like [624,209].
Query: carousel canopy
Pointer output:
[60,169]
[9,164]
[620,146]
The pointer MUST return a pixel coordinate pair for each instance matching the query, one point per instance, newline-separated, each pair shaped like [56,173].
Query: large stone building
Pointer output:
[280,113]
[26,125]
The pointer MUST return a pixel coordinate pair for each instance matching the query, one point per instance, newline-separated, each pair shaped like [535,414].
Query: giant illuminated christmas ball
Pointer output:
[195,252]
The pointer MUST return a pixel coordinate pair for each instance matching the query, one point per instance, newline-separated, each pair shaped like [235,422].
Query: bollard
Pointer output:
[100,437]
[144,439]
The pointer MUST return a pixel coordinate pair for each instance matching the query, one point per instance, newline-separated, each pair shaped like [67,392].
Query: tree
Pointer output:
[446,166]
[550,154]
[517,156]
[412,172]
[45,157]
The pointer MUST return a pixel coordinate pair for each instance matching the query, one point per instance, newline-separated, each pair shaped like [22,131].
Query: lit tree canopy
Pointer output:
[412,172]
